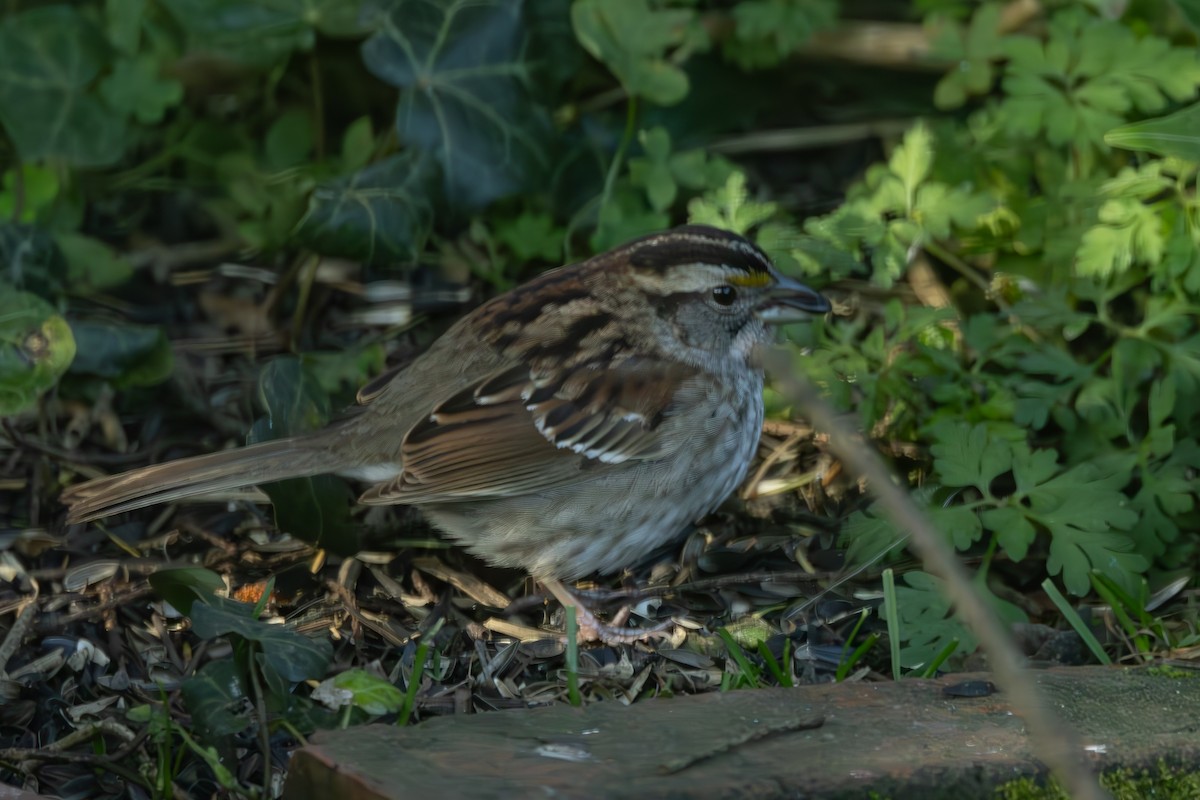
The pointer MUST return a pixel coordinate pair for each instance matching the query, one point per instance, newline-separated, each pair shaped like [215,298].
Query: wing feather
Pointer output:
[518,432]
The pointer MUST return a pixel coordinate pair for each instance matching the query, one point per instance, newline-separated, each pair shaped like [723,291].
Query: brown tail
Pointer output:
[260,463]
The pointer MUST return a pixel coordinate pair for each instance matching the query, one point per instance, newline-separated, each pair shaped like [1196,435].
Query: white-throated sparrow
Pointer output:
[567,427]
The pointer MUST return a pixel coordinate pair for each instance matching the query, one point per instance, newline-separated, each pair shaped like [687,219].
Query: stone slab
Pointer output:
[910,739]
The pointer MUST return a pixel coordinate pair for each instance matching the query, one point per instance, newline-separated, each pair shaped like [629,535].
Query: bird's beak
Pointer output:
[791,301]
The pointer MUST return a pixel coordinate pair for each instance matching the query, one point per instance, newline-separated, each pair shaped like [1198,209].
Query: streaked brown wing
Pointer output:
[515,432]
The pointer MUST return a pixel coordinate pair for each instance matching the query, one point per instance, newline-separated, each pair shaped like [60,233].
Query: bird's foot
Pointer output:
[592,629]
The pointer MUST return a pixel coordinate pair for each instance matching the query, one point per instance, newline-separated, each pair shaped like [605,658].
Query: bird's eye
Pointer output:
[724,295]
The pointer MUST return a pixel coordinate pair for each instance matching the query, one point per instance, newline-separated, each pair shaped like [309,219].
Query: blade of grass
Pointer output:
[1076,622]
[414,680]
[750,674]
[891,613]
[849,662]
[572,656]
[936,664]
[1120,611]
[782,678]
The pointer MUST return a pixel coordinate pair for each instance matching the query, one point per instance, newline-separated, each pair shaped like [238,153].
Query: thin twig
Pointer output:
[1058,744]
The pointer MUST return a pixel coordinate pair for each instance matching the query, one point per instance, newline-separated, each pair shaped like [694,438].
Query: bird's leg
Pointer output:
[592,629]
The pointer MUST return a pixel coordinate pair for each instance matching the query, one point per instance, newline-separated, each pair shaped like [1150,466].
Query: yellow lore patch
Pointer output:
[751,279]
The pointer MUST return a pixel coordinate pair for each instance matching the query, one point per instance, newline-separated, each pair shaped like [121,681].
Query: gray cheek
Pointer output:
[701,327]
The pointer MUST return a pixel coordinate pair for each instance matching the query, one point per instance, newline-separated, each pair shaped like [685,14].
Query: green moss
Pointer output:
[1167,671]
[1164,783]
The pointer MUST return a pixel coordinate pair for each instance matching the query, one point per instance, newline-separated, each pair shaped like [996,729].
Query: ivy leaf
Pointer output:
[127,355]
[379,214]
[217,701]
[464,100]
[31,260]
[293,655]
[49,59]
[315,509]
[262,34]
[632,40]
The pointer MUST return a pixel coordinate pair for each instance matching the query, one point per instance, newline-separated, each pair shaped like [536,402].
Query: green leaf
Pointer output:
[128,355]
[532,236]
[869,536]
[123,20]
[1168,493]
[293,655]
[730,207]
[624,217]
[92,266]
[968,456]
[372,694]
[1175,135]
[653,171]
[49,59]
[1086,515]
[633,40]
[972,51]
[261,34]
[36,347]
[929,623]
[217,701]
[661,172]
[911,161]
[336,371]
[1128,232]
[1081,82]
[38,189]
[464,99]
[357,143]
[135,88]
[1190,10]
[1014,532]
[29,259]
[380,214]
[315,509]
[183,586]
[290,139]
[960,525]
[768,31]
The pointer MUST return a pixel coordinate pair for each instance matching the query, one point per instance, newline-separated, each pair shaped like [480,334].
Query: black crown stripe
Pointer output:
[693,244]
